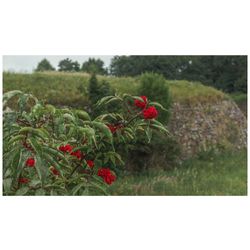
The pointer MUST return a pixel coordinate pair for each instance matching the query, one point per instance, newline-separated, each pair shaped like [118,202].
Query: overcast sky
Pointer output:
[29,63]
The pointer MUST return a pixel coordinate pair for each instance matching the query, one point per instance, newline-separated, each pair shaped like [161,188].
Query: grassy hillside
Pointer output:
[71,88]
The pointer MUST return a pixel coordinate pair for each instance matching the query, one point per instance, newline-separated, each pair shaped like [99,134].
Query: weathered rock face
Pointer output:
[201,127]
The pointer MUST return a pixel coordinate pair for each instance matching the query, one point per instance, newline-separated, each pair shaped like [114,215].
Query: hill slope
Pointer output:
[71,88]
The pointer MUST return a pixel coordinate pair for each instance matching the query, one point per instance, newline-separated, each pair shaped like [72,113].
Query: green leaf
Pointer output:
[69,117]
[103,100]
[99,187]
[7,184]
[86,131]
[103,128]
[157,105]
[18,164]
[16,138]
[22,191]
[40,192]
[41,168]
[82,115]
[77,188]
[8,95]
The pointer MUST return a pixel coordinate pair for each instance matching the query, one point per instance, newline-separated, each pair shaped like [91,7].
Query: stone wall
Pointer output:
[204,126]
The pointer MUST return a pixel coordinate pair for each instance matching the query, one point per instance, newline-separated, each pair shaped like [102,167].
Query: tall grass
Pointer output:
[224,174]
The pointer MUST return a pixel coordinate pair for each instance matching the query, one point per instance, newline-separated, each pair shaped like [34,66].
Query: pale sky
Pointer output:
[29,63]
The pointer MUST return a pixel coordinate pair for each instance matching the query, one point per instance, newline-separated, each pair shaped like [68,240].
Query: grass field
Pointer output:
[71,88]
[224,174]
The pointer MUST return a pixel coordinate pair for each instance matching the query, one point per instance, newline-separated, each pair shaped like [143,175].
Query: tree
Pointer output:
[228,73]
[68,65]
[95,66]
[44,65]
[93,89]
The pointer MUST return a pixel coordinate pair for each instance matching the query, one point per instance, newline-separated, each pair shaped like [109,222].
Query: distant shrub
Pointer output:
[155,87]
[96,91]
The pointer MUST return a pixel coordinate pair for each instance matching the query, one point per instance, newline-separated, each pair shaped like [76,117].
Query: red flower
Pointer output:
[55,171]
[77,154]
[150,113]
[30,162]
[113,128]
[107,175]
[90,163]
[23,180]
[67,148]
[141,104]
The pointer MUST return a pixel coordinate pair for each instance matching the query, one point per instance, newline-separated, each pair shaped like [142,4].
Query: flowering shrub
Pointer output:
[51,151]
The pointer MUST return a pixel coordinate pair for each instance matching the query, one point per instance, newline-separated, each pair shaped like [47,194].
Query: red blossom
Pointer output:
[67,148]
[107,175]
[113,128]
[141,104]
[30,162]
[90,163]
[55,171]
[23,180]
[150,113]
[77,154]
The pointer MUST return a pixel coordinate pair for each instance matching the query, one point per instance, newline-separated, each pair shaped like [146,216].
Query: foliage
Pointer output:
[96,91]
[162,153]
[52,151]
[94,66]
[220,174]
[69,65]
[44,65]
[228,73]
[155,87]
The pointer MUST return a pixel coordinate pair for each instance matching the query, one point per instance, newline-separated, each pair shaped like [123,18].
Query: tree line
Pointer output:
[91,66]
[228,73]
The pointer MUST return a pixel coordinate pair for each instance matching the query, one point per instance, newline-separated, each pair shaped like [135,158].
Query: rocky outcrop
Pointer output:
[204,126]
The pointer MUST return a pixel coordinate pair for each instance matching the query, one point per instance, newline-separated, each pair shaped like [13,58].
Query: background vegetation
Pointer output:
[153,169]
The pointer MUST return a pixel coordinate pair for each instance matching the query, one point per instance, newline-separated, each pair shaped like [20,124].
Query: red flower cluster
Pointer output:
[107,175]
[141,104]
[30,162]
[68,149]
[150,113]
[113,128]
[23,180]
[90,163]
[77,154]
[54,171]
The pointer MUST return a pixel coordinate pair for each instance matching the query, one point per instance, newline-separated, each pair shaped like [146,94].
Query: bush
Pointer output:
[154,86]
[96,92]
[55,151]
[162,153]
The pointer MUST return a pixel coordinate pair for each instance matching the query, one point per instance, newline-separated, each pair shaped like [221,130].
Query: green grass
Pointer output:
[71,88]
[224,174]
